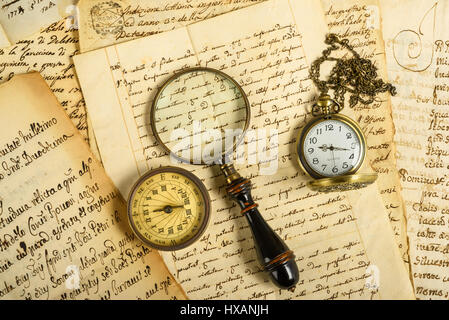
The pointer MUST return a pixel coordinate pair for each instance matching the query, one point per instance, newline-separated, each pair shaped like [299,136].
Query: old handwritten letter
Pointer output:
[63,226]
[344,244]
[50,52]
[105,23]
[359,21]
[417,38]
[22,18]
[4,41]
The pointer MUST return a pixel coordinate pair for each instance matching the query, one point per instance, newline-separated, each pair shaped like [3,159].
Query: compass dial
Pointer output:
[169,208]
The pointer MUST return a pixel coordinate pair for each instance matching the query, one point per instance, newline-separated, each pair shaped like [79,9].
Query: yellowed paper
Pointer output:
[105,23]
[359,21]
[22,18]
[50,52]
[92,140]
[416,34]
[4,41]
[63,225]
[343,243]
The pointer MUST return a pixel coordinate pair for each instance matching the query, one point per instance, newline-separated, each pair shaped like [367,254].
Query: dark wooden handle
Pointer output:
[273,254]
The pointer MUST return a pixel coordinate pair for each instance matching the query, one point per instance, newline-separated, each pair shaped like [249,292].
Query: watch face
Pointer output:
[332,147]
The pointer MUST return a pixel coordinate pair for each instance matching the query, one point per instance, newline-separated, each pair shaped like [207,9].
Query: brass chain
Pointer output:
[355,75]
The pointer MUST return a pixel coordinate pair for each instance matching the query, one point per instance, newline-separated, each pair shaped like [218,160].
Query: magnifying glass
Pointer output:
[200,116]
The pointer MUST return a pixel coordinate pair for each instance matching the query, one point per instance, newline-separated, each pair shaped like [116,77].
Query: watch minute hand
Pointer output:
[340,149]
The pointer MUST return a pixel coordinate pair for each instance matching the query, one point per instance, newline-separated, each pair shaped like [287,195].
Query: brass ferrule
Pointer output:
[229,172]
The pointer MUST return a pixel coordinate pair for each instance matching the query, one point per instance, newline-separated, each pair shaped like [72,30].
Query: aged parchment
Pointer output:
[63,226]
[359,21]
[102,24]
[416,34]
[344,244]
[4,41]
[50,52]
[20,19]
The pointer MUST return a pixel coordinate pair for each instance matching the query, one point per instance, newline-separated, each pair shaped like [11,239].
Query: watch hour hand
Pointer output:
[324,147]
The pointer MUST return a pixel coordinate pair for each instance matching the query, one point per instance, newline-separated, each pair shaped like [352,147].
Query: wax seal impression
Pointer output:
[107,18]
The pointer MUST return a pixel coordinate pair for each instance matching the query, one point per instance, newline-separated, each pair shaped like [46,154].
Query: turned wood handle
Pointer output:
[273,254]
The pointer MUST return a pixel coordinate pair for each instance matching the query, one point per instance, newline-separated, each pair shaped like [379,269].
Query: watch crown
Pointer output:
[325,105]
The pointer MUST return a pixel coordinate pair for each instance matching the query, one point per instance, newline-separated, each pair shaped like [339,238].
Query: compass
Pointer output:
[168,208]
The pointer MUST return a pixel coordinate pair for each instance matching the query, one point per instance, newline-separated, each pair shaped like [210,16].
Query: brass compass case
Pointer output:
[144,195]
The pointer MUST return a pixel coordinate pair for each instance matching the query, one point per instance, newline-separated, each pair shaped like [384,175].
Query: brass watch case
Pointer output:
[347,181]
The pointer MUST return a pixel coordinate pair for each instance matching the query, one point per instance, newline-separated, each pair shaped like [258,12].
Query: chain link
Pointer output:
[355,75]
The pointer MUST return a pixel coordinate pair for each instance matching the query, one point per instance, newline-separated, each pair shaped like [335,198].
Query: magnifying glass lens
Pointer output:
[200,116]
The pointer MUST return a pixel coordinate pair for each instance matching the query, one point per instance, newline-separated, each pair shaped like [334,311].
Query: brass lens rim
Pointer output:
[204,194]
[167,83]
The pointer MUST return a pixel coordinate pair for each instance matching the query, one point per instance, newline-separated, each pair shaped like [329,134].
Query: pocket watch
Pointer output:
[331,147]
